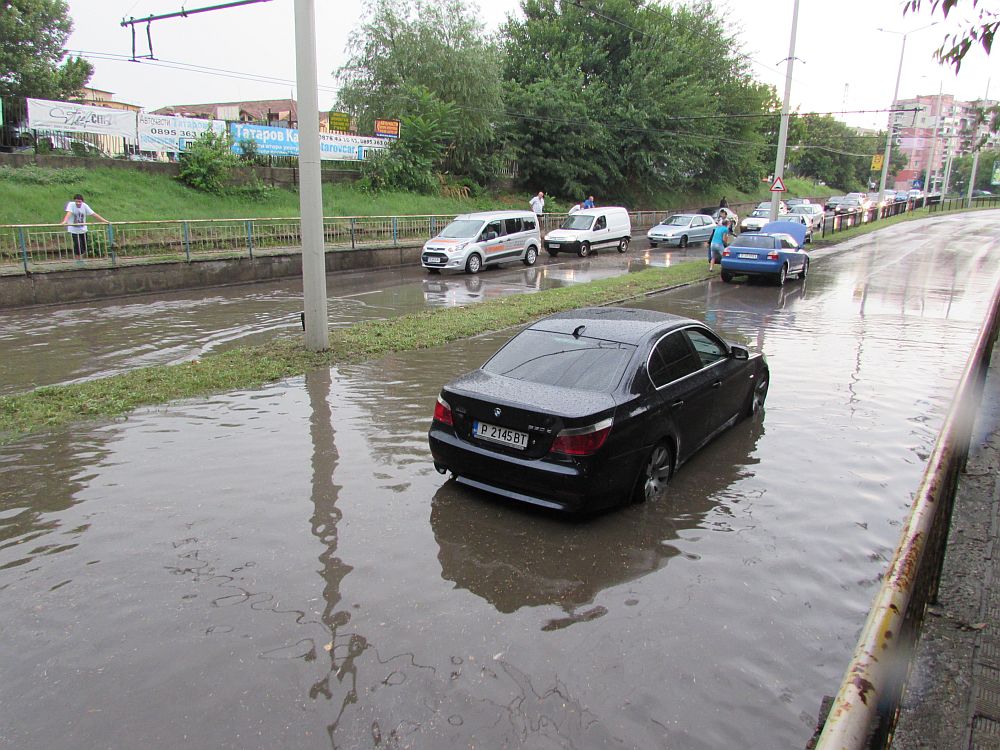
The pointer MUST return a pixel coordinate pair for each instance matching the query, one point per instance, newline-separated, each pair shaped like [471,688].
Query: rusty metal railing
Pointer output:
[864,711]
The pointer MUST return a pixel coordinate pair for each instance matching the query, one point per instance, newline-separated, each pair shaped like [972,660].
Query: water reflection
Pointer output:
[516,557]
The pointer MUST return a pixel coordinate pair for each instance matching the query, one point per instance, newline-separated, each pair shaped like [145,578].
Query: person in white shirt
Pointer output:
[76,217]
[538,206]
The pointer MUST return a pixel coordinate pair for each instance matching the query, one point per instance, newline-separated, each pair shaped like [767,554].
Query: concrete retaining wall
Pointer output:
[79,285]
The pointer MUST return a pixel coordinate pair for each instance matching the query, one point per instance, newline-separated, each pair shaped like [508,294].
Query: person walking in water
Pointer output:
[721,237]
[76,218]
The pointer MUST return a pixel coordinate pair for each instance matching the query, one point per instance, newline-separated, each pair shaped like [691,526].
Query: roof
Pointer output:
[626,325]
[258,109]
[484,215]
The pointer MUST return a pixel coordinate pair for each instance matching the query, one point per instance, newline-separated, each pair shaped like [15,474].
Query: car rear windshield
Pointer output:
[573,221]
[462,228]
[762,241]
[563,360]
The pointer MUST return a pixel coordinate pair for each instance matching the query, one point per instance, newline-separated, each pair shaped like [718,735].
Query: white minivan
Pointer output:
[591,229]
[473,241]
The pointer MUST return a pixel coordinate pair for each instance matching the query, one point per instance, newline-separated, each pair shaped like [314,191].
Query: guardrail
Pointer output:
[28,248]
[864,711]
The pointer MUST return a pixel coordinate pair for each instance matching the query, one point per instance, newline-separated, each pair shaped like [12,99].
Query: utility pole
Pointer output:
[779,162]
[310,188]
[930,156]
[975,157]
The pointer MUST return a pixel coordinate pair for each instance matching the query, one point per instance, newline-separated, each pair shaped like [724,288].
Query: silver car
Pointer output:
[682,230]
[813,214]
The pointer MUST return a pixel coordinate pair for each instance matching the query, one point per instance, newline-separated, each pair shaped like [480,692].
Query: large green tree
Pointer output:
[33,61]
[408,50]
[618,96]
[827,149]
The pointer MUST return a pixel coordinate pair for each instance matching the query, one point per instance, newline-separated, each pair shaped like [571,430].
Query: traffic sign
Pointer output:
[778,186]
[877,162]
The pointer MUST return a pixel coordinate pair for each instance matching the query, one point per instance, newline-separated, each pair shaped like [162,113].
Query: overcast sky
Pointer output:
[844,62]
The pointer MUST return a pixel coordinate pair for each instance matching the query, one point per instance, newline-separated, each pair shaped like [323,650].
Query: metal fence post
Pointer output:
[395,232]
[24,248]
[186,232]
[111,244]
[250,238]
[433,226]
[352,233]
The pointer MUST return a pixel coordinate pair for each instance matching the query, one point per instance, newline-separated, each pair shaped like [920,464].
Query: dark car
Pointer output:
[593,408]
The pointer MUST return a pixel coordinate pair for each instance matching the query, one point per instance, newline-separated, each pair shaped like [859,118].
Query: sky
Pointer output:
[843,62]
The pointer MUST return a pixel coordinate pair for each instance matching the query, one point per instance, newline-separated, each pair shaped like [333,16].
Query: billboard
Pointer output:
[169,133]
[80,118]
[285,142]
[387,128]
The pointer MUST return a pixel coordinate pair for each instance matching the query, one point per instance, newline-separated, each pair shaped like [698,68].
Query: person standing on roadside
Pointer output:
[723,203]
[721,236]
[589,203]
[538,206]
[76,217]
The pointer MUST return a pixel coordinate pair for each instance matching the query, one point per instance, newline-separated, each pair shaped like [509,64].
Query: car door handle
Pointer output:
[677,405]
[717,384]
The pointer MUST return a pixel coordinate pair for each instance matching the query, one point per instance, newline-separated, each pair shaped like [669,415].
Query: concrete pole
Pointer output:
[779,162]
[888,135]
[975,157]
[930,156]
[310,188]
[947,168]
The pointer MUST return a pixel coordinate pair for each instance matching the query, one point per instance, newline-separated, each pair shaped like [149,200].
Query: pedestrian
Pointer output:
[575,207]
[538,206]
[76,217]
[721,236]
[589,203]
[723,203]
[723,217]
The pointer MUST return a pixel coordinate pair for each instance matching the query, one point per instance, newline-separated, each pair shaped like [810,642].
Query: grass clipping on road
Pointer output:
[253,366]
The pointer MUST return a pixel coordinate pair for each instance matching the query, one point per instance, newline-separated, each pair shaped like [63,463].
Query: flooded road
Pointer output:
[284,568]
[49,345]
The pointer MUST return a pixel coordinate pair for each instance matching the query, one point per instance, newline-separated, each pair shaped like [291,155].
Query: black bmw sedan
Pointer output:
[594,407]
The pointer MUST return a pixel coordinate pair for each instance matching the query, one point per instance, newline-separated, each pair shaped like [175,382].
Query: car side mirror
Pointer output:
[491,236]
[739,352]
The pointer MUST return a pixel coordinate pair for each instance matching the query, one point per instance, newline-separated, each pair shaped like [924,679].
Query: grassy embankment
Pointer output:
[251,367]
[34,195]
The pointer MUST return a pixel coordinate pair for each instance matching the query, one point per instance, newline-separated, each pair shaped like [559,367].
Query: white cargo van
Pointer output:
[473,241]
[591,229]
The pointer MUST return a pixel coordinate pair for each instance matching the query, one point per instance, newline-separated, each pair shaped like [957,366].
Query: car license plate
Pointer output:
[502,435]
[553,244]
[435,260]
[748,256]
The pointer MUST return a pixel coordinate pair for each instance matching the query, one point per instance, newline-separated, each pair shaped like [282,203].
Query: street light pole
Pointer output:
[779,162]
[975,157]
[930,156]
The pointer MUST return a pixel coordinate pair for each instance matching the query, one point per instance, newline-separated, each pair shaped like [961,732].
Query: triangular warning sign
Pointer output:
[778,186]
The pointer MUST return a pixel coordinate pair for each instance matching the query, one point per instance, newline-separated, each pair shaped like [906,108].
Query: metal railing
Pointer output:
[864,711]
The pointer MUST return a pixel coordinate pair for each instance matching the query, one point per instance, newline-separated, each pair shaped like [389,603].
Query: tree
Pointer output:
[33,34]
[956,46]
[619,97]
[961,168]
[410,46]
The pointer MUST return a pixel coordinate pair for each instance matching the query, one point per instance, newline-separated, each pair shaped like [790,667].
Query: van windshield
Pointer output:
[462,228]
[575,221]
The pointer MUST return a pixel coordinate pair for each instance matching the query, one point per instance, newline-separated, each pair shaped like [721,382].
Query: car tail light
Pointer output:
[773,255]
[442,412]
[725,253]
[582,441]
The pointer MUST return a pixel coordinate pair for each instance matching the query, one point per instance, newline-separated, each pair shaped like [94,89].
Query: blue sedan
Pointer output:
[775,252]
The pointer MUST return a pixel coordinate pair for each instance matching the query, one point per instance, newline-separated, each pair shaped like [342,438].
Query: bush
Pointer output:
[253,191]
[34,175]
[208,162]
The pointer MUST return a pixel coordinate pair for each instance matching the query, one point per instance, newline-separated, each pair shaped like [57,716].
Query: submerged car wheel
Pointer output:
[553,253]
[684,241]
[623,244]
[782,275]
[755,401]
[530,256]
[726,276]
[584,249]
[654,475]
[805,269]
[433,270]
[474,264]
[652,244]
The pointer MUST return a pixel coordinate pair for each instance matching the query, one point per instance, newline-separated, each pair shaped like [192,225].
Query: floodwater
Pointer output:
[49,345]
[283,567]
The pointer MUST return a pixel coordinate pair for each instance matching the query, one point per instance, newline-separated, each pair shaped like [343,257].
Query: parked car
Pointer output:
[804,221]
[775,252]
[757,219]
[473,241]
[849,206]
[766,206]
[591,229]
[592,408]
[792,202]
[681,230]
[832,202]
[812,212]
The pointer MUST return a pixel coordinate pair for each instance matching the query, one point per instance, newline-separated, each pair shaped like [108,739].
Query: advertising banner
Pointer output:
[169,133]
[387,128]
[995,180]
[80,118]
[285,142]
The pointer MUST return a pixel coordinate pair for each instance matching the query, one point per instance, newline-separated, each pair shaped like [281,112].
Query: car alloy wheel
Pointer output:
[782,275]
[530,256]
[474,264]
[757,395]
[655,475]
[584,249]
[684,241]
